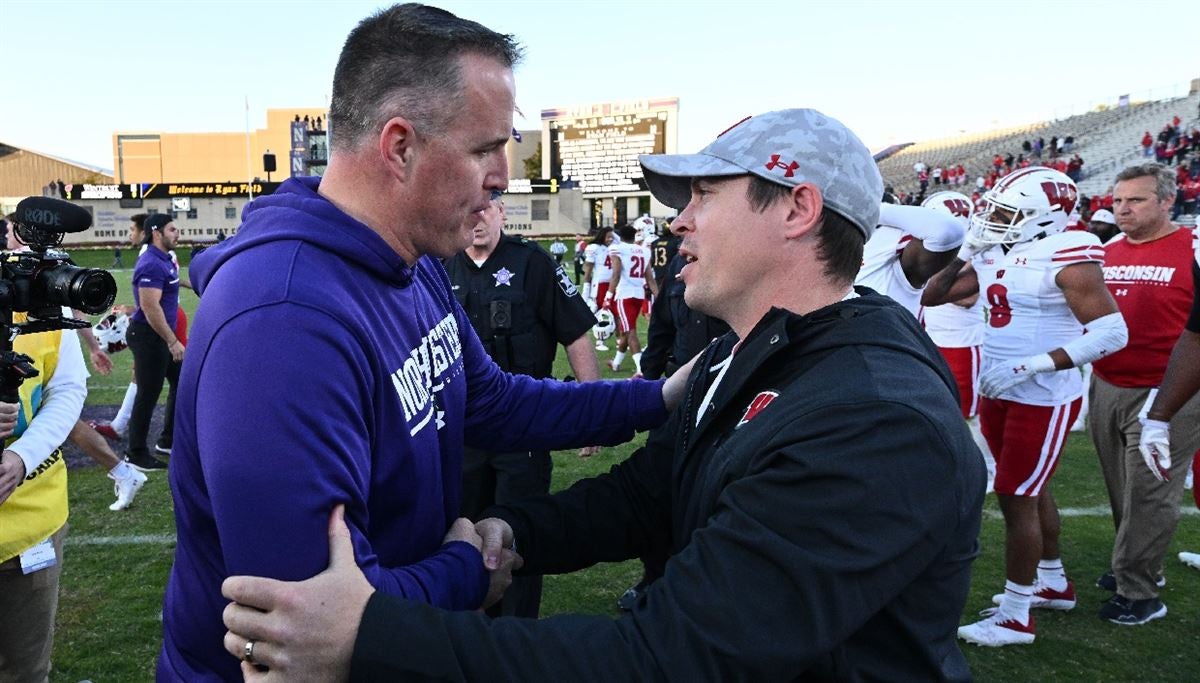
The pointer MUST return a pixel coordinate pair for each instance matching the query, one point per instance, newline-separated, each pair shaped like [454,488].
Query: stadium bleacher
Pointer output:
[1107,141]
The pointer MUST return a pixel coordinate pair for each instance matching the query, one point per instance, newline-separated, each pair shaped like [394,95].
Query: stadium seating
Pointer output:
[1107,141]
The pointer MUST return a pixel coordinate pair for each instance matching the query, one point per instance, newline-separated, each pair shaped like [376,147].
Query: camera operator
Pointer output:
[33,498]
[157,350]
[521,304]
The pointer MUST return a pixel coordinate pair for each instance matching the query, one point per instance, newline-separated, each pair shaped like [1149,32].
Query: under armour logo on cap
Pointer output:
[789,169]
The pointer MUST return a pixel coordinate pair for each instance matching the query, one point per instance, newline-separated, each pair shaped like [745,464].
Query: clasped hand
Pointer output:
[305,630]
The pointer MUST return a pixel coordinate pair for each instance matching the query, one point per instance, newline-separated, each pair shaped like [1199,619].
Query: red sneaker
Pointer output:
[1045,597]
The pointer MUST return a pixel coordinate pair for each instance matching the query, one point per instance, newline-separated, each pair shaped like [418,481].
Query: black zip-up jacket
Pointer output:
[823,516]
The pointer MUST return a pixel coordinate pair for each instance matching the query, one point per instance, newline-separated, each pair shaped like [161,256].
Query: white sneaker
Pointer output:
[1190,559]
[125,489]
[601,346]
[612,365]
[997,631]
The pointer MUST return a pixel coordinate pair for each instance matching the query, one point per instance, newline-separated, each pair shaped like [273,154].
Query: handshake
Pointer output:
[493,538]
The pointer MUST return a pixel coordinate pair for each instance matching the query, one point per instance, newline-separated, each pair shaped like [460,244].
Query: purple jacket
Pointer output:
[322,369]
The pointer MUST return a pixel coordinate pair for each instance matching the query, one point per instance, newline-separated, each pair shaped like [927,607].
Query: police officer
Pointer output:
[521,305]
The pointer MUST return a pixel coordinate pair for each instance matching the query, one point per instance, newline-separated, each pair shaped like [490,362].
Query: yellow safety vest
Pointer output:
[38,506]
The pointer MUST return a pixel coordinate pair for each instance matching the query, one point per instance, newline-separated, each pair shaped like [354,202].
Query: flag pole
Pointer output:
[249,165]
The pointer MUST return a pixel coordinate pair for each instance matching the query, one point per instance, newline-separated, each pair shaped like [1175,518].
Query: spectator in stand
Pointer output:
[1054,147]
[980,184]
[1147,144]
[1008,161]
[1027,147]
[997,162]
[1075,168]
[1183,146]
[1191,193]
[937,175]
[918,167]
[1038,146]
[1164,135]
[1068,143]
[962,174]
[923,179]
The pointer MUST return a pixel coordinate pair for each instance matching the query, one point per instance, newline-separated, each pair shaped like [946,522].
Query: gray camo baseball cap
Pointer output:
[788,147]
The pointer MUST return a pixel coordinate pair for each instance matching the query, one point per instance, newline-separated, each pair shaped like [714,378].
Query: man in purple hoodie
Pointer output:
[331,364]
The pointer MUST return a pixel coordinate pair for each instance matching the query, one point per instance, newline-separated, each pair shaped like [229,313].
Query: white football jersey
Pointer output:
[1027,313]
[951,326]
[597,255]
[635,259]
[881,269]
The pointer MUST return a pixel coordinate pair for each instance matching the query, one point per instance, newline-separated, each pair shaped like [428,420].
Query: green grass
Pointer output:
[109,628]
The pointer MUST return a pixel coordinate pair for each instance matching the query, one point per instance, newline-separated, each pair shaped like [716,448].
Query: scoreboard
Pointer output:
[596,147]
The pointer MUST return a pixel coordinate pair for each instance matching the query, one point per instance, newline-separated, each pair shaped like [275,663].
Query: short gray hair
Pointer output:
[404,61]
[1164,180]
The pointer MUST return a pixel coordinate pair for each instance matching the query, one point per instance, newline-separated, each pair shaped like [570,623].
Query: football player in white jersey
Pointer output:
[910,244]
[597,272]
[1041,287]
[957,329]
[630,260]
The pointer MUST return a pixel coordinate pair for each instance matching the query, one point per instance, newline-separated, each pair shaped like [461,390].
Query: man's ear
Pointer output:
[804,207]
[397,146]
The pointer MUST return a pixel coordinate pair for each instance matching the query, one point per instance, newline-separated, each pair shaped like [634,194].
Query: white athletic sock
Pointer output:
[121,421]
[122,470]
[618,358]
[637,362]
[1051,574]
[1015,603]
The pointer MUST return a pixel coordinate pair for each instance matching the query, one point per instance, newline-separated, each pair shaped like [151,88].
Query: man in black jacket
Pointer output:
[817,490]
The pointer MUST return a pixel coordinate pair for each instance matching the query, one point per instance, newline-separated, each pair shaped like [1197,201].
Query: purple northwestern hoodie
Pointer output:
[322,369]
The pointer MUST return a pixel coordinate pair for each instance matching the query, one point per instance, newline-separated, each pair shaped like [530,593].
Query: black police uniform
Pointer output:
[522,305]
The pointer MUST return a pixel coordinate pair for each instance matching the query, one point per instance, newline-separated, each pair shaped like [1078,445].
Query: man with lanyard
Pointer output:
[804,545]
[33,499]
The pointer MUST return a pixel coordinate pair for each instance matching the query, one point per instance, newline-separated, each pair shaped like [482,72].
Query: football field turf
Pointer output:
[116,565]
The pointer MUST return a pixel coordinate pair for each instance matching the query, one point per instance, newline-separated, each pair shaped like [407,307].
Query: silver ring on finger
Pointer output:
[248,652]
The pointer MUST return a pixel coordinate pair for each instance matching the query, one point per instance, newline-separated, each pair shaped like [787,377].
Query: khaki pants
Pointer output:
[28,603]
[1145,510]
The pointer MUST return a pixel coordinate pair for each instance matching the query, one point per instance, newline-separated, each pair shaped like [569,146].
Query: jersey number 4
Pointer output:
[999,312]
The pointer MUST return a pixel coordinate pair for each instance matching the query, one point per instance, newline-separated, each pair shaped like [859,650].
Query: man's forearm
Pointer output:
[583,359]
[1182,378]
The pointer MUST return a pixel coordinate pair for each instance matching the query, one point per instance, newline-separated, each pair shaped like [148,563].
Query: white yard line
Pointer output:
[1097,511]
